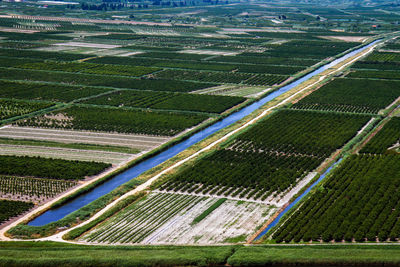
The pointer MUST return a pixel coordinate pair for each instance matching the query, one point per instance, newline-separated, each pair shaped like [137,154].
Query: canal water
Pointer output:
[84,199]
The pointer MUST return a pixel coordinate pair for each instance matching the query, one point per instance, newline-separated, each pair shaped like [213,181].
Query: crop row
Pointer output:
[101,69]
[383,57]
[166,100]
[387,137]
[378,74]
[202,76]
[101,80]
[139,220]
[12,108]
[116,120]
[352,95]
[221,77]
[33,187]
[360,201]
[242,174]
[11,209]
[309,49]
[43,91]
[49,168]
[35,54]
[270,157]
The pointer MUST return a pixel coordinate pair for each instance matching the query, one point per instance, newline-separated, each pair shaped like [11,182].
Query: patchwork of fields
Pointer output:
[78,99]
[100,95]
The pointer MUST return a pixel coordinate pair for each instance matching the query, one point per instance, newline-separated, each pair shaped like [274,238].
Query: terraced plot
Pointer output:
[141,142]
[168,219]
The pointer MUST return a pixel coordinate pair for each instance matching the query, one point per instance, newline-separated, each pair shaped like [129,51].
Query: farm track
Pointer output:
[142,142]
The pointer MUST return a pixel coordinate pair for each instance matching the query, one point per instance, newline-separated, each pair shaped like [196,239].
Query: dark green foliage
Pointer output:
[16,36]
[264,172]
[172,55]
[101,69]
[203,76]
[202,103]
[352,95]
[272,69]
[360,200]
[169,101]
[377,65]
[210,209]
[101,80]
[310,133]
[388,136]
[272,155]
[309,49]
[33,187]
[54,254]
[41,55]
[378,74]
[43,91]
[261,58]
[11,209]
[180,64]
[13,108]
[117,120]
[49,168]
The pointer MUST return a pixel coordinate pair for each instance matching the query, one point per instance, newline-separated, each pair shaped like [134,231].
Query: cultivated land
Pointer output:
[89,90]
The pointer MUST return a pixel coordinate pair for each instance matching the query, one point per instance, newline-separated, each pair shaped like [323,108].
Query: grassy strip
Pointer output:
[209,210]
[118,207]
[25,142]
[57,254]
[62,254]
[340,255]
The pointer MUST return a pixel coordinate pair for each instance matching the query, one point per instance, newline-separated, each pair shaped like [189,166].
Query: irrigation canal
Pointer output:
[106,187]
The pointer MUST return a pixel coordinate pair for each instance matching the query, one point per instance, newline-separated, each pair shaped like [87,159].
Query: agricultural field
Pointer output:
[32,189]
[49,168]
[12,108]
[269,159]
[87,88]
[386,141]
[163,218]
[115,120]
[11,209]
[352,95]
[358,202]
[127,143]
[66,153]
[167,101]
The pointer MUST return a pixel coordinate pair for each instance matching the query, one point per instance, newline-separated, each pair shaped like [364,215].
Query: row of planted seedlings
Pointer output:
[33,187]
[143,219]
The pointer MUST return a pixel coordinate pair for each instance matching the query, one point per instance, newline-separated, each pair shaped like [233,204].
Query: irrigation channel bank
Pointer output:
[106,187]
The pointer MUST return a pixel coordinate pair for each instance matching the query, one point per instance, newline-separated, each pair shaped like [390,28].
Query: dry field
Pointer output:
[65,153]
[141,142]
[168,219]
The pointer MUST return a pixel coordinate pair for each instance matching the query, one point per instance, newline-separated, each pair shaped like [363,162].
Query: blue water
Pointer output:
[277,219]
[77,203]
